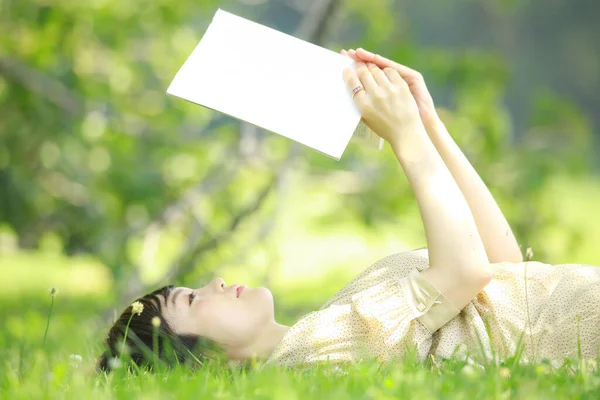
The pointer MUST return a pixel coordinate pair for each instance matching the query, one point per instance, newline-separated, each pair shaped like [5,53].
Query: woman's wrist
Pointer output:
[413,148]
[406,132]
[434,126]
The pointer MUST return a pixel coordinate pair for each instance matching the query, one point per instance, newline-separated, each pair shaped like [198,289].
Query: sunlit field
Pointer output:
[62,367]
[110,188]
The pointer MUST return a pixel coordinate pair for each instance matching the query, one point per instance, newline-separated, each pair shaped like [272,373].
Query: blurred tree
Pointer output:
[91,148]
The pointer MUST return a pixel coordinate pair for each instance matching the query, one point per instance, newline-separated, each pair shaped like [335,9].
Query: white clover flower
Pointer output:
[529,254]
[75,360]
[114,363]
[155,322]
[469,371]
[137,308]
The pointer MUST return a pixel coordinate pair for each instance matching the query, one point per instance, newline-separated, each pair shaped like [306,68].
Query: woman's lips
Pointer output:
[239,290]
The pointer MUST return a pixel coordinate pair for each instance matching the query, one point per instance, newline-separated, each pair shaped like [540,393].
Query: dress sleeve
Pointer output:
[426,302]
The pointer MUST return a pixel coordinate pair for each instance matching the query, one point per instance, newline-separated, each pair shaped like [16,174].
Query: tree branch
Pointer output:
[44,85]
[188,257]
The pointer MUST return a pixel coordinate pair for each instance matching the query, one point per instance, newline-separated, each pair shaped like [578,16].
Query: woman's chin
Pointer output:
[259,294]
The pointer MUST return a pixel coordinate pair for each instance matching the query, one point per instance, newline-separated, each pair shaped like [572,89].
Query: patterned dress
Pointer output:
[547,312]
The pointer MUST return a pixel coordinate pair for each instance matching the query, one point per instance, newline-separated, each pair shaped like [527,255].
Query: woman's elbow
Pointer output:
[485,276]
[480,276]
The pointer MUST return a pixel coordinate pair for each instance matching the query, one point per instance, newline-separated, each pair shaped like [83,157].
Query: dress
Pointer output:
[390,308]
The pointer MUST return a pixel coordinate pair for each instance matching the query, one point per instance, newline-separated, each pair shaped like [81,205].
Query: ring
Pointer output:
[356,90]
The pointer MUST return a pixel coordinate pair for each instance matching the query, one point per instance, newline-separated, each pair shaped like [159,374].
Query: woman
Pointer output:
[469,293]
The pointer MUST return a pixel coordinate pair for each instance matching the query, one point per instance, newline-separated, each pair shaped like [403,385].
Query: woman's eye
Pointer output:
[191,297]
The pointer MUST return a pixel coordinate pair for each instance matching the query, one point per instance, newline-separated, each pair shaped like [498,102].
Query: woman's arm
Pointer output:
[459,267]
[498,238]
[496,234]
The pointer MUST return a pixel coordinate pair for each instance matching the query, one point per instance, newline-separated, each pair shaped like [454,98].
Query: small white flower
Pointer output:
[75,360]
[469,371]
[137,308]
[591,365]
[114,363]
[155,322]
[529,254]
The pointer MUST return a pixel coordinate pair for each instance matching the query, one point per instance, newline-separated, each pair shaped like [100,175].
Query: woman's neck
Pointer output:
[263,346]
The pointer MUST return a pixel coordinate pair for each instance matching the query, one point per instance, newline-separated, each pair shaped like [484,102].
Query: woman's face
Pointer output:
[232,316]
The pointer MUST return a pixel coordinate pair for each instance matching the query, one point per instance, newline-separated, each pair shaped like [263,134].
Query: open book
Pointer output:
[274,81]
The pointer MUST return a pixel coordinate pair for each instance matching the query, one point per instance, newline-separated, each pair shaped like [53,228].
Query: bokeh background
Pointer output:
[110,188]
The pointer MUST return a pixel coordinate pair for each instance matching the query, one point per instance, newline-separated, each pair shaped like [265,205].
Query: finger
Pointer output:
[380,77]
[383,62]
[353,82]
[394,76]
[365,76]
[344,52]
[352,54]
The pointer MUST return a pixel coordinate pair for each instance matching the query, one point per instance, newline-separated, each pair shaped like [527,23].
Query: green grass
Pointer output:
[28,371]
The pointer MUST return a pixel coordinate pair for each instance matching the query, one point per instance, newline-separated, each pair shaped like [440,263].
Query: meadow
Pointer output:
[59,364]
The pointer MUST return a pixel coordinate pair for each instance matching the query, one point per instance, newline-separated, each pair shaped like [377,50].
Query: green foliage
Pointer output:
[94,152]
[108,186]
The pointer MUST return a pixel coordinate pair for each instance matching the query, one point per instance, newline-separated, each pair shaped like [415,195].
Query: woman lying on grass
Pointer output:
[470,292]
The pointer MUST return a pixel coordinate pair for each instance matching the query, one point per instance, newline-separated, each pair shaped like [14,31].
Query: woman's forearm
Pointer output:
[496,234]
[458,261]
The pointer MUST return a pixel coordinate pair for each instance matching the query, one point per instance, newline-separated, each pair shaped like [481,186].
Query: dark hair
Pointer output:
[170,347]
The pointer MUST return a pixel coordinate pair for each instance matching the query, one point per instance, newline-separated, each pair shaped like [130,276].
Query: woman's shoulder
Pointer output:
[392,267]
[406,260]
[398,263]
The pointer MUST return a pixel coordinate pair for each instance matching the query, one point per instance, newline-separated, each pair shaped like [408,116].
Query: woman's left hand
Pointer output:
[385,102]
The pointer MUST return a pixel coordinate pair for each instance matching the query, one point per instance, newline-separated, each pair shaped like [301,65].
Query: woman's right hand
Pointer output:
[413,78]
[385,102]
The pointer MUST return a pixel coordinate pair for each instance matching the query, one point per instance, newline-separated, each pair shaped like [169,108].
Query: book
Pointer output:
[274,81]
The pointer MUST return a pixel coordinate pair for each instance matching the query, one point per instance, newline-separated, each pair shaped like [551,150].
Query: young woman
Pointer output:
[469,292]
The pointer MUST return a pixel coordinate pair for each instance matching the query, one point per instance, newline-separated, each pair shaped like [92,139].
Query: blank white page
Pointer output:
[272,80]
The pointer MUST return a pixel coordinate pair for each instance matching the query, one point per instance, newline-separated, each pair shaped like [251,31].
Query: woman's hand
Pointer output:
[493,227]
[414,80]
[385,102]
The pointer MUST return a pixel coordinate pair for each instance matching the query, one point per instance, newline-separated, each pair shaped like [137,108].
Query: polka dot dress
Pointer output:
[390,308]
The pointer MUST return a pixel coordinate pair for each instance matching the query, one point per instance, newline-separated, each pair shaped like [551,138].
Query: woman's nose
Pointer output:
[219,284]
